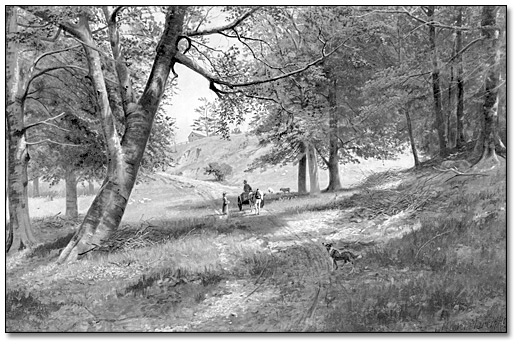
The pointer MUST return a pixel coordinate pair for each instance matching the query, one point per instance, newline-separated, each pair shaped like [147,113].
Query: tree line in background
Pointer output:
[87,86]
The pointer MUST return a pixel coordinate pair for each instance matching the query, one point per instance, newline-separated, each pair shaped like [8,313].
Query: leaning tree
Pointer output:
[182,41]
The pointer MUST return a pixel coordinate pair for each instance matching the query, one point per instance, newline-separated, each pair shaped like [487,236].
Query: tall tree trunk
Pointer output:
[334,179]
[461,140]
[36,187]
[491,33]
[301,172]
[313,173]
[90,190]
[106,211]
[437,100]
[71,194]
[410,134]
[20,231]
[450,131]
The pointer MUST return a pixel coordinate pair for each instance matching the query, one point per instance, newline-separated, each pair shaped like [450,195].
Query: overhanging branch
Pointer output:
[45,122]
[51,141]
[45,71]
[225,27]
[184,60]
[423,21]
[37,60]
[465,49]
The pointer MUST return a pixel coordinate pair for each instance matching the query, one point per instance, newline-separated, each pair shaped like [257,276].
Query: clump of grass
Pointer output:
[455,262]
[403,305]
[494,320]
[258,263]
[134,236]
[25,310]
[178,277]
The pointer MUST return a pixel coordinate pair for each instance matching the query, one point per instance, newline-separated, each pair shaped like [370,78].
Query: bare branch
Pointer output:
[55,37]
[429,241]
[204,18]
[235,36]
[465,49]
[225,27]
[37,60]
[94,48]
[115,13]
[51,141]
[423,21]
[66,26]
[33,26]
[184,60]
[45,71]
[125,82]
[45,122]
[321,155]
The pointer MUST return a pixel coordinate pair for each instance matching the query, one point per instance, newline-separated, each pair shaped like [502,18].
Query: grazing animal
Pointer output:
[340,255]
[285,189]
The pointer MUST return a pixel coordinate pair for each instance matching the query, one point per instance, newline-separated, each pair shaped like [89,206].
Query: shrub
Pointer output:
[219,170]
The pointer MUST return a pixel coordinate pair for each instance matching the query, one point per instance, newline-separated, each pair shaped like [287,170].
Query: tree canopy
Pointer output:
[89,85]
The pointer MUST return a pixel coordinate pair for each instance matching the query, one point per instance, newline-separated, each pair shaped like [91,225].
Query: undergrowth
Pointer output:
[455,266]
[448,275]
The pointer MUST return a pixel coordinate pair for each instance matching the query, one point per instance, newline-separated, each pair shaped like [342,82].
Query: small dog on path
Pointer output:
[340,255]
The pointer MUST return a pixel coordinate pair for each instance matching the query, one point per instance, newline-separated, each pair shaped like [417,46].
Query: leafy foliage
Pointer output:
[207,122]
[219,170]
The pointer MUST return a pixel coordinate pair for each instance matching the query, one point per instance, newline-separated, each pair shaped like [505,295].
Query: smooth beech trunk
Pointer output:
[491,34]
[312,169]
[461,140]
[301,171]
[412,138]
[124,156]
[437,97]
[20,232]
[334,178]
[71,194]
[36,187]
[90,190]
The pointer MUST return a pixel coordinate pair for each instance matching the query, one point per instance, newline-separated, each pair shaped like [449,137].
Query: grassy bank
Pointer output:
[433,250]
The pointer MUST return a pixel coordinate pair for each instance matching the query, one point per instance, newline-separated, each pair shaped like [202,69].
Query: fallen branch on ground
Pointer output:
[458,173]
[432,239]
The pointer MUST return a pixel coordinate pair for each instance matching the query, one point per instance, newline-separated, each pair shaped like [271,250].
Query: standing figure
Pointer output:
[225,204]
[246,187]
[258,195]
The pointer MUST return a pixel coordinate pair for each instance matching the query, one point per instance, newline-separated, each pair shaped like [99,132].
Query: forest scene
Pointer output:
[328,169]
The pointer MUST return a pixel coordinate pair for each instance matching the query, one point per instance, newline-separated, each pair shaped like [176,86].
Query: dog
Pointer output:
[341,255]
[285,189]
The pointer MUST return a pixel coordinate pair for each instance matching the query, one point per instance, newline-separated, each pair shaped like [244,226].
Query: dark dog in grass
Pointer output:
[340,255]
[285,189]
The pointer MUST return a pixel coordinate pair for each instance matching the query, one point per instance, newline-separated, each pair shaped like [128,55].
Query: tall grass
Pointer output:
[455,263]
[157,271]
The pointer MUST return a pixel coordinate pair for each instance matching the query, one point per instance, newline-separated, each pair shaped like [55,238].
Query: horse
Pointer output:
[248,197]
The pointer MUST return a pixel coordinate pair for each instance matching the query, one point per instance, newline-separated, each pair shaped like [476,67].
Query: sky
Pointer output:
[192,86]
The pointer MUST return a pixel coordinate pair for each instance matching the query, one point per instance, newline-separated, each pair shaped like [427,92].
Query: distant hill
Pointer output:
[243,149]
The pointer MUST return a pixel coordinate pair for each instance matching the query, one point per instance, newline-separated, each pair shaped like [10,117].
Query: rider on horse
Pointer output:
[246,187]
